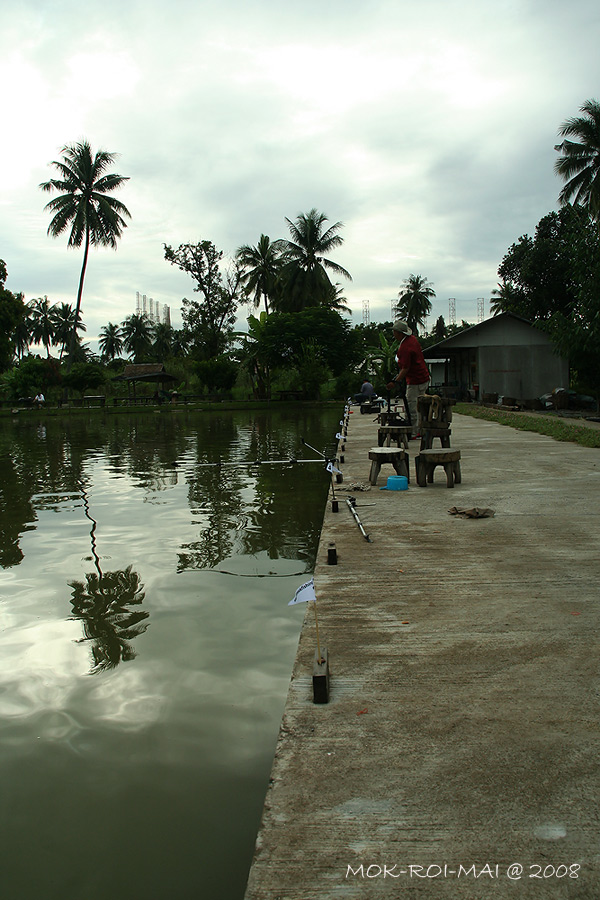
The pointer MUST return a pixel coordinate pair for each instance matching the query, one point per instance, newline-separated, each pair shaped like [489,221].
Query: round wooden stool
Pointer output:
[428,435]
[388,433]
[427,460]
[379,455]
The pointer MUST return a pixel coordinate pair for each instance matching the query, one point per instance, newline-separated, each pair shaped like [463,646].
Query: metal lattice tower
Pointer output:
[480,309]
[452,311]
[366,313]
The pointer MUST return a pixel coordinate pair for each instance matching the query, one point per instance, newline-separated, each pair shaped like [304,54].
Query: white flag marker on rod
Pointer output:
[304,594]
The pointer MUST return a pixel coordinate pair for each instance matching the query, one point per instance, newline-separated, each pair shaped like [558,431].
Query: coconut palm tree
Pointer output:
[162,346]
[84,205]
[64,325]
[43,324]
[110,341]
[22,335]
[304,277]
[579,164]
[261,267]
[414,303]
[137,331]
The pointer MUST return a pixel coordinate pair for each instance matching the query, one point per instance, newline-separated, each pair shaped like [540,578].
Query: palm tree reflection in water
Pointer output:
[103,604]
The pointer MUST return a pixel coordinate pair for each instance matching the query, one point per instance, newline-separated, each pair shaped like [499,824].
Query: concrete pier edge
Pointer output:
[457,756]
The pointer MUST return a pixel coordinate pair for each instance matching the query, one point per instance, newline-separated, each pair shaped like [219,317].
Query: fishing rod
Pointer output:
[250,462]
[330,468]
[310,447]
[351,501]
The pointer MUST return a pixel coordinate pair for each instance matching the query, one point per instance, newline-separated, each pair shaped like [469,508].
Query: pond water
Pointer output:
[146,643]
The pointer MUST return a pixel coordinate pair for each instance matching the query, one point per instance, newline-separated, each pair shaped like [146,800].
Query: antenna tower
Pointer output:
[366,313]
[452,311]
[480,309]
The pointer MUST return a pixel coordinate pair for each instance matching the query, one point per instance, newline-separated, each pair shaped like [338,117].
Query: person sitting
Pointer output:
[367,392]
[39,400]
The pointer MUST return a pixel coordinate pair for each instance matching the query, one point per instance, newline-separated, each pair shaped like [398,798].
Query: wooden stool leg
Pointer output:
[375,469]
[449,469]
[401,467]
[457,475]
[420,470]
[445,439]
[380,439]
[430,470]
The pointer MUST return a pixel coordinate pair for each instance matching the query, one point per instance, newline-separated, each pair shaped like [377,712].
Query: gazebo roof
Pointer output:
[145,372]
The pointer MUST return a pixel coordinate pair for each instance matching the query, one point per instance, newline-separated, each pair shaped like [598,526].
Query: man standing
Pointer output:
[412,367]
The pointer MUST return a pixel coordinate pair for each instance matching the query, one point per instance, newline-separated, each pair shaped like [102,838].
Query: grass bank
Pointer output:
[550,425]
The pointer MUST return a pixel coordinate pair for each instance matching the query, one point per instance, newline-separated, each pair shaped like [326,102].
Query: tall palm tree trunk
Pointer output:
[79,296]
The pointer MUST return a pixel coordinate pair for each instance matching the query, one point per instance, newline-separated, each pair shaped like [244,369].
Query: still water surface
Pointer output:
[146,644]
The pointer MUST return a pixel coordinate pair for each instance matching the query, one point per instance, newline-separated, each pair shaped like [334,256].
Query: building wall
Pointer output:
[520,372]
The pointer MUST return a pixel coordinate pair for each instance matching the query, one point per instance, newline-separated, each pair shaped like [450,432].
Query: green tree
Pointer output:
[85,205]
[285,334]
[414,301]
[110,341]
[218,374]
[382,360]
[503,298]
[255,356]
[261,268]
[162,344]
[304,277]
[22,334]
[43,323]
[575,329]
[136,332]
[208,322]
[579,164]
[65,323]
[440,332]
[85,376]
[31,375]
[537,274]
[12,313]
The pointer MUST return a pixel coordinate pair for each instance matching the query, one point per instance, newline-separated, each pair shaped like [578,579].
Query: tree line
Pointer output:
[299,333]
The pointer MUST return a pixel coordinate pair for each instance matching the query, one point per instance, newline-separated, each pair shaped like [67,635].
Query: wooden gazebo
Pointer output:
[153,373]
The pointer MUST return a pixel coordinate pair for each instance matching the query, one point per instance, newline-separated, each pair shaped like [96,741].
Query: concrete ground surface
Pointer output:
[458,755]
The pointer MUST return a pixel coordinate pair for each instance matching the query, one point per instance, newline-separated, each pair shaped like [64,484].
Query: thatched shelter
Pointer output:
[153,373]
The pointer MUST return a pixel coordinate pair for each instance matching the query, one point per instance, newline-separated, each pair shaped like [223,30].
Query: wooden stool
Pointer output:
[427,460]
[388,433]
[373,406]
[379,455]
[428,434]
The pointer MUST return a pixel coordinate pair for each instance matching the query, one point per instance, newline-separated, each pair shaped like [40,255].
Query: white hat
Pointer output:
[402,327]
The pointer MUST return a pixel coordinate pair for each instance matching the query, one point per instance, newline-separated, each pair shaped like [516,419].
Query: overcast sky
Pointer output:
[427,128]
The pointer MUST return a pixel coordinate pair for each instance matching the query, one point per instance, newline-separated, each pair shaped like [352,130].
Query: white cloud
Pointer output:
[428,129]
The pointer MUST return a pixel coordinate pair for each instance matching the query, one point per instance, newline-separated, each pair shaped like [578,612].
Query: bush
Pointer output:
[84,377]
[31,375]
[217,374]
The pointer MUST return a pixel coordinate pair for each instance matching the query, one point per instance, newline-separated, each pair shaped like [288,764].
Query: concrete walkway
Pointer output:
[463,724]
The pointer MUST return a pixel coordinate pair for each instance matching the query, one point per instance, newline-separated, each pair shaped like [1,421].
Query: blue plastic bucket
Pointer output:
[396,483]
